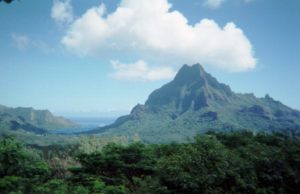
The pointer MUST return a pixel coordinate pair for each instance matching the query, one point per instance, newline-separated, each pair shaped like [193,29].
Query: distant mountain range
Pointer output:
[194,103]
[28,119]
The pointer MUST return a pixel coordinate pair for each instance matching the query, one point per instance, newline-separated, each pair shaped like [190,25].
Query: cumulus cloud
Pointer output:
[62,11]
[20,41]
[213,4]
[140,71]
[150,29]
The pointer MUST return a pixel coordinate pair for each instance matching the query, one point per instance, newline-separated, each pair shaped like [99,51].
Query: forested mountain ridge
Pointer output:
[195,102]
[29,119]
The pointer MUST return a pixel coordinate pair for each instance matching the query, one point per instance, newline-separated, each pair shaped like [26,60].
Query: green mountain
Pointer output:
[195,102]
[28,119]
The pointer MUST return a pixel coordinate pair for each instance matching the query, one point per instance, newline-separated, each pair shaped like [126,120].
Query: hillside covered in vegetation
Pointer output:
[31,120]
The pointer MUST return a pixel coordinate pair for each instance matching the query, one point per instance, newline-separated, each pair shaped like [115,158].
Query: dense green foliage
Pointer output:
[237,162]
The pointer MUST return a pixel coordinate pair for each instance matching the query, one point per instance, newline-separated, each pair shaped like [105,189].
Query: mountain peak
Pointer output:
[192,88]
[192,73]
[195,102]
[196,74]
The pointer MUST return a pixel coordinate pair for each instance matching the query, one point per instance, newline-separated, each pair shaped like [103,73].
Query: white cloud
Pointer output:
[21,42]
[213,4]
[140,71]
[150,30]
[62,11]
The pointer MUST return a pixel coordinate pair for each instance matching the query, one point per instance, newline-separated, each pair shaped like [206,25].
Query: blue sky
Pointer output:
[100,58]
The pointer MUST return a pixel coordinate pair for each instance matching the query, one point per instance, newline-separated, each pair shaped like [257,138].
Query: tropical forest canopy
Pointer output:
[236,162]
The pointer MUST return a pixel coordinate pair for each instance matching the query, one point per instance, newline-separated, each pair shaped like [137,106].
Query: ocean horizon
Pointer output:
[85,124]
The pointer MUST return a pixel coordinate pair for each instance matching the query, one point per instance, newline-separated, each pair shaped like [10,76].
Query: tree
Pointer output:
[197,168]
[20,168]
[7,1]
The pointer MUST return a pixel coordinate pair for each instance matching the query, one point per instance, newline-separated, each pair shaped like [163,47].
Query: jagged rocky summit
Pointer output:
[194,102]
